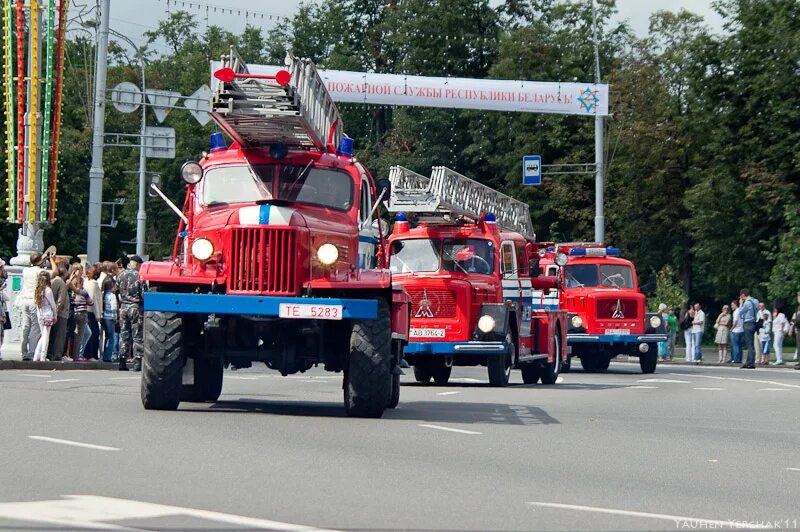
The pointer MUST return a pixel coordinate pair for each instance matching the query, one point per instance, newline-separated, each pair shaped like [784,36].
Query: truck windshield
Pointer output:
[322,187]
[609,275]
[466,255]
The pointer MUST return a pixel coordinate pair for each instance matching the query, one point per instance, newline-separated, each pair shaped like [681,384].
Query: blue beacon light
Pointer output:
[345,147]
[612,251]
[577,252]
[401,217]
[278,150]
[218,142]
[489,218]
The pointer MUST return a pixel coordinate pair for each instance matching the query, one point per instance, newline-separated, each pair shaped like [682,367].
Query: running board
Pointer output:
[532,357]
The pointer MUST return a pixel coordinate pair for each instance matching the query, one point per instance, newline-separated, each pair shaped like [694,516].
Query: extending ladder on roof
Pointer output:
[447,191]
[257,111]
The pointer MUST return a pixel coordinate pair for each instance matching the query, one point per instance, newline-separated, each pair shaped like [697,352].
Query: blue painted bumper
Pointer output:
[615,338]
[455,348]
[365,309]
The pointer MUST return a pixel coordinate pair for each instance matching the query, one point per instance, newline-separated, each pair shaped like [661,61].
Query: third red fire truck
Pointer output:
[607,311]
[471,268]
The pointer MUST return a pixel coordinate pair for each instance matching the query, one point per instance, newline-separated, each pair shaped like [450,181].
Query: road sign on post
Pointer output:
[532,170]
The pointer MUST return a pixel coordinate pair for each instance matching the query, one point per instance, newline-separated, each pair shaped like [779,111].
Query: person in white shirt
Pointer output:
[29,335]
[737,333]
[780,327]
[686,326]
[698,326]
[764,334]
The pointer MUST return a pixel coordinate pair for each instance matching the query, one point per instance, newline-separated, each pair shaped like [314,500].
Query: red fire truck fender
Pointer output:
[168,272]
[359,280]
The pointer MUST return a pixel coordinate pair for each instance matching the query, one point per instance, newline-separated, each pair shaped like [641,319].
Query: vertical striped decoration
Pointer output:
[33,112]
[44,195]
[8,73]
[20,23]
[59,89]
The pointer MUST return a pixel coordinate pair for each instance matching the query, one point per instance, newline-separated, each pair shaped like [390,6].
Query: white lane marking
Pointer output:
[449,429]
[793,469]
[638,387]
[125,378]
[465,379]
[244,378]
[740,379]
[447,393]
[32,375]
[664,381]
[709,389]
[773,390]
[64,380]
[559,380]
[74,443]
[88,511]
[773,383]
[677,519]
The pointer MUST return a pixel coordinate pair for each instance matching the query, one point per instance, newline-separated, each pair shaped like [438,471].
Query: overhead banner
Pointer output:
[588,99]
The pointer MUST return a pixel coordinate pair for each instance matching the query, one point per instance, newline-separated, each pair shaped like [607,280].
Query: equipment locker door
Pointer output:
[512,289]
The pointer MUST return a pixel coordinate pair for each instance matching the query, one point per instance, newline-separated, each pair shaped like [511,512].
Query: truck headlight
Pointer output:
[191,172]
[655,322]
[202,249]
[327,254]
[486,323]
[577,321]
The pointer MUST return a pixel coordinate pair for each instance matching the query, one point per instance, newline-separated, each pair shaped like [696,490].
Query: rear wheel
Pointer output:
[394,399]
[551,370]
[590,363]
[530,372]
[566,365]
[162,361]
[207,385]
[500,366]
[603,363]
[368,379]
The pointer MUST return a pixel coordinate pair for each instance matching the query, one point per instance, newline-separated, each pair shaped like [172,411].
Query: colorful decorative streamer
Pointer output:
[48,102]
[33,112]
[62,25]
[11,148]
[20,112]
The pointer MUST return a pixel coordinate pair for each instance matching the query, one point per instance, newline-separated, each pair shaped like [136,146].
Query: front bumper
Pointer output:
[365,309]
[456,348]
[615,338]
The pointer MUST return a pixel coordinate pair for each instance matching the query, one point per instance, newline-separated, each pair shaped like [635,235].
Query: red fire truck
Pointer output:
[471,268]
[273,261]
[607,311]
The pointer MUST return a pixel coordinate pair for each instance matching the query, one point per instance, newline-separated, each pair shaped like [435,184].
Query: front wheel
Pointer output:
[368,379]
[441,373]
[530,372]
[500,366]
[551,370]
[648,362]
[566,365]
[207,381]
[394,399]
[162,361]
[422,372]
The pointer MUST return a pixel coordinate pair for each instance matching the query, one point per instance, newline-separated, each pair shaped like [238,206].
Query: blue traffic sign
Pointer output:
[532,170]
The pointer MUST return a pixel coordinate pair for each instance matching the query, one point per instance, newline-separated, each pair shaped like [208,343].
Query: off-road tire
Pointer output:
[603,363]
[500,367]
[550,370]
[648,361]
[590,363]
[394,399]
[422,372]
[441,373]
[368,379]
[530,372]
[207,381]
[162,361]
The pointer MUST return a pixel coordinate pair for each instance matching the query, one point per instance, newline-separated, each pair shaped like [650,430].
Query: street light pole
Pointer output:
[96,172]
[599,180]
[141,213]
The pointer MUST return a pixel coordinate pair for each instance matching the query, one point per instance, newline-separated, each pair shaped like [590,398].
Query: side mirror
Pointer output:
[535,268]
[384,228]
[383,189]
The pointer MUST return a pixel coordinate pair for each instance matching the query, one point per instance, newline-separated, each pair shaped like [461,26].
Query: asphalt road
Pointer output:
[614,451]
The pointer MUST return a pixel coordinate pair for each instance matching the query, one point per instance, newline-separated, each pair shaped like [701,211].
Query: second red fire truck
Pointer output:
[470,265]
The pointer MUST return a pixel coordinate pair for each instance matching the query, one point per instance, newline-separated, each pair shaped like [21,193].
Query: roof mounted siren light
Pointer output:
[489,222]
[400,224]
[595,252]
[345,147]
[217,142]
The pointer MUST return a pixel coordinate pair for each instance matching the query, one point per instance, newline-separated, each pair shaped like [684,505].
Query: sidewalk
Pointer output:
[710,357]
[12,359]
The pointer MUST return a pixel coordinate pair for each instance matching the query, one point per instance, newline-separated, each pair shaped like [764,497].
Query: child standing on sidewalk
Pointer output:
[110,316]
[45,313]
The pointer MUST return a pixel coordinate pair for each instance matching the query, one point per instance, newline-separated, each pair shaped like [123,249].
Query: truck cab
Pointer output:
[270,263]
[607,311]
[476,298]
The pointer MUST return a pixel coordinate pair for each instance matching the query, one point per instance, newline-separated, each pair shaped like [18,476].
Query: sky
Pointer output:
[134,17]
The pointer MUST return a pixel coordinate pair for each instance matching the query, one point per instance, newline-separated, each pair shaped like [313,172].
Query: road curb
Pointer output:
[787,365]
[50,365]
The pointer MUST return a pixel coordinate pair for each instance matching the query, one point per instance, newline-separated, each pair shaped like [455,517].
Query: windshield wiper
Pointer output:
[215,203]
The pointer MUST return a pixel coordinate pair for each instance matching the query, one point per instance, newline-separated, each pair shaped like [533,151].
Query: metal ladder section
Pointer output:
[447,191]
[258,112]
